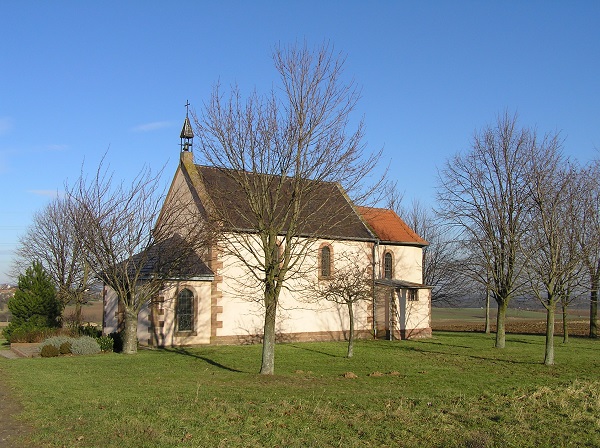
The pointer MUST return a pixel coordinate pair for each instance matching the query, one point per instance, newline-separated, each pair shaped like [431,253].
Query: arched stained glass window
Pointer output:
[185,310]
[325,262]
[387,266]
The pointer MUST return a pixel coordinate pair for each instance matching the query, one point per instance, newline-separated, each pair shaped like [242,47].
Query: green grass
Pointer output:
[452,390]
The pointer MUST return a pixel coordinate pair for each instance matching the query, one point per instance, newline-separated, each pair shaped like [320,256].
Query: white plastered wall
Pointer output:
[201,326]
[408,266]
[297,312]
[407,262]
[165,332]
[110,310]
[414,314]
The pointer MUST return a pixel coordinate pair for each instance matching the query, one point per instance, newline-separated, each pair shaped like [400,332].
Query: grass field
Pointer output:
[454,389]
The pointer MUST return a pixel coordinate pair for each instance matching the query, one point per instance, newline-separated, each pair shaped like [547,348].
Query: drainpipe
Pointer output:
[374,274]
[392,311]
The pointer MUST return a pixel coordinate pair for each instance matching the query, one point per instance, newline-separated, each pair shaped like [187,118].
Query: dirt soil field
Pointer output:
[576,327]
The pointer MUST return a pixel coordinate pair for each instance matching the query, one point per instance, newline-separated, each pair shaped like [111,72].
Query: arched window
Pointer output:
[325,262]
[387,266]
[184,311]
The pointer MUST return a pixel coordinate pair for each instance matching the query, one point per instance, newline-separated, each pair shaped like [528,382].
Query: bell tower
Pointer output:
[187,134]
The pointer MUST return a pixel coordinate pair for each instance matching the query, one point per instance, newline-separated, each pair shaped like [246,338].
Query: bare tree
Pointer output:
[393,197]
[474,272]
[127,246]
[52,241]
[347,286]
[573,287]
[441,257]
[483,194]
[553,223]
[279,151]
[571,291]
[590,238]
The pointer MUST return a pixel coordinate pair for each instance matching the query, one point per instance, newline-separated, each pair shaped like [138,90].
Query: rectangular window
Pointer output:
[413,295]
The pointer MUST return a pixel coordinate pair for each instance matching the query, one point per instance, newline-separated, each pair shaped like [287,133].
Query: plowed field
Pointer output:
[517,321]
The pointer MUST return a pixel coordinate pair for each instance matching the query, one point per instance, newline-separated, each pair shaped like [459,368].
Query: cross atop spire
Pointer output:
[187,133]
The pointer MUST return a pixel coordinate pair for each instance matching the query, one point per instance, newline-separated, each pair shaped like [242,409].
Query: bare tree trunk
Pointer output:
[351,335]
[130,337]
[488,325]
[549,353]
[78,311]
[500,319]
[594,310]
[565,323]
[267,366]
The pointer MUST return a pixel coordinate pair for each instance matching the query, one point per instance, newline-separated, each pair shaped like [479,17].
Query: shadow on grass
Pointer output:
[478,357]
[315,351]
[183,351]
[495,354]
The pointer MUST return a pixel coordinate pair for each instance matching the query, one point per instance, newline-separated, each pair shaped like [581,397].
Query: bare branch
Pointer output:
[290,155]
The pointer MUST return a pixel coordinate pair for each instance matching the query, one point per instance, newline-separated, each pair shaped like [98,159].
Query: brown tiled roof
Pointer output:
[325,212]
[163,260]
[389,227]
[395,283]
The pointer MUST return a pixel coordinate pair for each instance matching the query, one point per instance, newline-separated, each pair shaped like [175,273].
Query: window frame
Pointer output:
[321,266]
[178,313]
[385,270]
[412,295]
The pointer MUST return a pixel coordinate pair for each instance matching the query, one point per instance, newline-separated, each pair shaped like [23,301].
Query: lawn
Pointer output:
[454,389]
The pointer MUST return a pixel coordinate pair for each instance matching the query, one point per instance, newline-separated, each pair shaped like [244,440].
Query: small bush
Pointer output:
[90,330]
[106,343]
[84,345]
[57,341]
[27,333]
[65,348]
[49,351]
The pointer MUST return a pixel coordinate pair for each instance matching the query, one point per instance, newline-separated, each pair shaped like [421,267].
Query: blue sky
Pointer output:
[78,78]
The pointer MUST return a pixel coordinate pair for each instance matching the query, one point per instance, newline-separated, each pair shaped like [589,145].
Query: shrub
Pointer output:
[57,341]
[90,330]
[27,333]
[34,304]
[84,345]
[49,351]
[65,348]
[106,343]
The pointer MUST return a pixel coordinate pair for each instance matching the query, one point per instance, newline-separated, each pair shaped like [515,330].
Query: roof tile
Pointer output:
[325,210]
[388,226]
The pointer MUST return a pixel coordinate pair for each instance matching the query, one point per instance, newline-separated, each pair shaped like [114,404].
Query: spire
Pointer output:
[187,133]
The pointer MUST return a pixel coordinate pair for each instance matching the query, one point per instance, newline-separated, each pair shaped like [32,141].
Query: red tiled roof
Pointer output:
[388,226]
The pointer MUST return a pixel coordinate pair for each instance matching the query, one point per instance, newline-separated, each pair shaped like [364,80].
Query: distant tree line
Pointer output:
[524,220]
